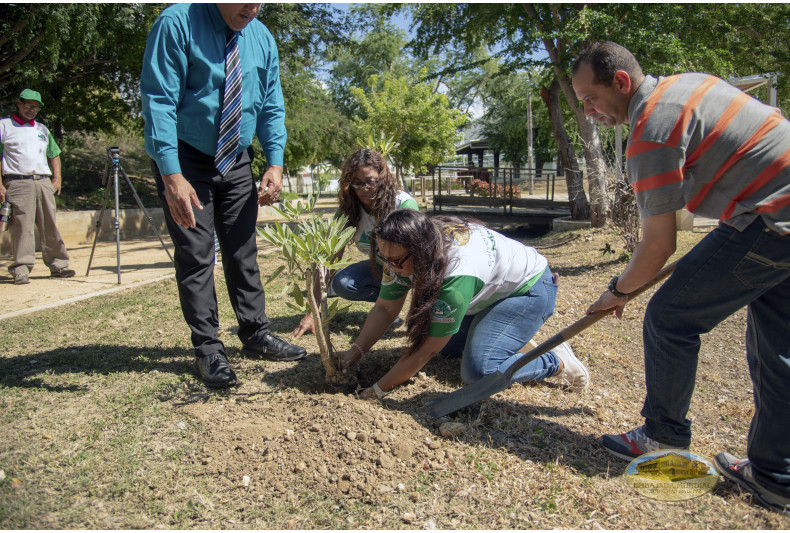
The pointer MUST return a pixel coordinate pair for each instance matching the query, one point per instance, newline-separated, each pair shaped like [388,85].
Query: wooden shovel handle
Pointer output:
[582,324]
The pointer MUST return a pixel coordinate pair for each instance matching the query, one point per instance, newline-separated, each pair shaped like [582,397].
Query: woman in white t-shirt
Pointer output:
[476,293]
[367,192]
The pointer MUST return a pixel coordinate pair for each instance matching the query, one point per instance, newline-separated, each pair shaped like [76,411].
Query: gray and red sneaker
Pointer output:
[634,443]
[739,471]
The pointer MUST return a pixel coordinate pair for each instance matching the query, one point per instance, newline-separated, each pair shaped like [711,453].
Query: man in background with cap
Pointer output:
[27,182]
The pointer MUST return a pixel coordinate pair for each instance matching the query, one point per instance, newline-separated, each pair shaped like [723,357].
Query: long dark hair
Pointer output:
[386,190]
[427,240]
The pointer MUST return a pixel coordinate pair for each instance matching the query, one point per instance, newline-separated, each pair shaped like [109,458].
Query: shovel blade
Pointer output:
[477,391]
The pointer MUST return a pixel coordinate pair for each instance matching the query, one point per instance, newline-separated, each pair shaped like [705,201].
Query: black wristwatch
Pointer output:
[613,288]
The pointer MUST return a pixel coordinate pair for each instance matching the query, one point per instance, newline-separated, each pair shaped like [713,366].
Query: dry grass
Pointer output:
[105,426]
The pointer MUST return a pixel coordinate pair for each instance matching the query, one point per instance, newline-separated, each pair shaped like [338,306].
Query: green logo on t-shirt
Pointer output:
[442,312]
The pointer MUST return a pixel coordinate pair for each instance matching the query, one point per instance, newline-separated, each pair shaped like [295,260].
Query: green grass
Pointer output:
[105,426]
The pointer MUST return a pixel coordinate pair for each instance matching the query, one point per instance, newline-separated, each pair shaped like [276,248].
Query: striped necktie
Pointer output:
[230,122]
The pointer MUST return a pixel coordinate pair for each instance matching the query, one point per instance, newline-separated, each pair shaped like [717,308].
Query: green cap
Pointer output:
[30,94]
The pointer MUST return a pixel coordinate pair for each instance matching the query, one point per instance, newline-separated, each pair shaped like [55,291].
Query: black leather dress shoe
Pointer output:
[275,349]
[215,371]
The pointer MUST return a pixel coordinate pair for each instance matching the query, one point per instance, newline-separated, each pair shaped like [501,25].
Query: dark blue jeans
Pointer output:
[489,341]
[357,283]
[727,270]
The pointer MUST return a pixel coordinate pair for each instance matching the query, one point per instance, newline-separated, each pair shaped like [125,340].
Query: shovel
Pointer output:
[499,381]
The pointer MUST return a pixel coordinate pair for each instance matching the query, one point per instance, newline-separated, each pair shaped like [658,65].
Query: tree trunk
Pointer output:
[399,178]
[597,169]
[580,207]
[593,153]
[320,325]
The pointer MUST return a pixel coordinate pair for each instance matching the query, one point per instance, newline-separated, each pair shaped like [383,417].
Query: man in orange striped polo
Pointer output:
[698,142]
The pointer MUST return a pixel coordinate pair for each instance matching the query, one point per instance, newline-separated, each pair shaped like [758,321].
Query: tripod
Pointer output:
[113,157]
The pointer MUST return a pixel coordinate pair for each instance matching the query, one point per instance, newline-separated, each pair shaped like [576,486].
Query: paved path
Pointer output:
[143,260]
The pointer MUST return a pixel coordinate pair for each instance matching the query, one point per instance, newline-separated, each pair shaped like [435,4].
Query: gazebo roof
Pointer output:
[747,83]
[473,140]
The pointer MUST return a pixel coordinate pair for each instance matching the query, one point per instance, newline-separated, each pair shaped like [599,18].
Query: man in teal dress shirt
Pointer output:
[182,86]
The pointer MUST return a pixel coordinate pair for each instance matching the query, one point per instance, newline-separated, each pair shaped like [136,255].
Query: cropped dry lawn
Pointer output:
[105,425]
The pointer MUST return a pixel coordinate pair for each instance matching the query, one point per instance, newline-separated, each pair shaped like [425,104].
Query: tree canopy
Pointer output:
[84,59]
[723,39]
[379,51]
[414,115]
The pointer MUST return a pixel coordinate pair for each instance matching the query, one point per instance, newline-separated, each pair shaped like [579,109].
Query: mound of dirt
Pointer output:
[345,446]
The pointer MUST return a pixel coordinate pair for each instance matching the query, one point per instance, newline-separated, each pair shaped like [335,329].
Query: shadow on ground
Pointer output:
[103,359]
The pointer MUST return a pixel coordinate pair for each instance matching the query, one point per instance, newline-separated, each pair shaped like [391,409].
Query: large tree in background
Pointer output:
[85,59]
[723,39]
[546,19]
[379,51]
[375,82]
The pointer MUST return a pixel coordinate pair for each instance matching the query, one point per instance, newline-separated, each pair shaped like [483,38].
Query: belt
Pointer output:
[9,177]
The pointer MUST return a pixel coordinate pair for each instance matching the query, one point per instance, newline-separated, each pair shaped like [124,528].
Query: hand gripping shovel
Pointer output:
[499,381]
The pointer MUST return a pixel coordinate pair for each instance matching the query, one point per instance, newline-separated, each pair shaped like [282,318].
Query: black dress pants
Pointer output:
[230,207]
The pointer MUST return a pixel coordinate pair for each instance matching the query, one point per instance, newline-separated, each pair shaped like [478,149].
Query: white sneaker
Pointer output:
[573,374]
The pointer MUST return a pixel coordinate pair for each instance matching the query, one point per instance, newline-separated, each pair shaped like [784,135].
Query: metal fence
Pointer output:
[453,186]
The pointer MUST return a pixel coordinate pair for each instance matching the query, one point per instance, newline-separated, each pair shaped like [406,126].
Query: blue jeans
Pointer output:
[725,271]
[489,340]
[357,283]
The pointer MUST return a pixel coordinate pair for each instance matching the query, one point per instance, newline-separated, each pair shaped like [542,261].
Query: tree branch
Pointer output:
[7,35]
[21,54]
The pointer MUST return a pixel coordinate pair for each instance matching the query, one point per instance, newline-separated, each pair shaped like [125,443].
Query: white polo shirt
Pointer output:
[26,148]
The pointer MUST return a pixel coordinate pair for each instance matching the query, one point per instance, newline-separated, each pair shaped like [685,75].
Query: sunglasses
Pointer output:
[393,263]
[369,184]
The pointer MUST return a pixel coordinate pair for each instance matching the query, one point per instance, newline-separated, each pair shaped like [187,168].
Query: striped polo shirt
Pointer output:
[700,143]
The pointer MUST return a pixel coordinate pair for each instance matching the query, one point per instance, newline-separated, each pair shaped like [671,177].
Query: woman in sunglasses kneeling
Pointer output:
[367,192]
[477,294]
